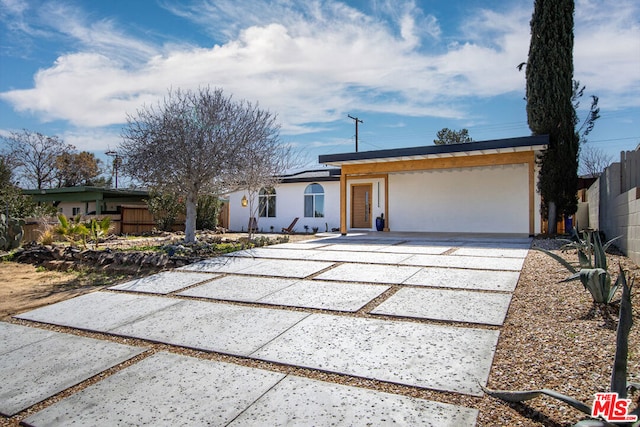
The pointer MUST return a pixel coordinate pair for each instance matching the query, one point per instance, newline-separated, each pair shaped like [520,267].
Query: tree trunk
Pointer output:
[552,219]
[190,221]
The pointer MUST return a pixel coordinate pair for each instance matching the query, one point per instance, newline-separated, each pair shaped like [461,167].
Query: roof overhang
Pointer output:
[84,194]
[498,146]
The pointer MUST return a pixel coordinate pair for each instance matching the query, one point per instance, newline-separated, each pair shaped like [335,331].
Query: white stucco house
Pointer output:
[479,187]
[312,196]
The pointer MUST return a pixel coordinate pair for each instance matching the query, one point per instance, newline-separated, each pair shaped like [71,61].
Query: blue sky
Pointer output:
[406,68]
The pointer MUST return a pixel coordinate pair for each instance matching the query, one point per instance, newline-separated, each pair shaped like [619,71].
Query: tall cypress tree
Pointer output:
[549,75]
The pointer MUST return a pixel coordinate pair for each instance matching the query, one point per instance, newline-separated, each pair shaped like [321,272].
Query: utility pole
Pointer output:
[116,162]
[357,120]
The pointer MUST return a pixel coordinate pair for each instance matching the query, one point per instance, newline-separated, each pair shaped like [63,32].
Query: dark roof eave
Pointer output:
[496,144]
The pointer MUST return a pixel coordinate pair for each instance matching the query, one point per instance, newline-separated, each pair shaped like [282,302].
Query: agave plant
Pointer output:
[618,377]
[592,260]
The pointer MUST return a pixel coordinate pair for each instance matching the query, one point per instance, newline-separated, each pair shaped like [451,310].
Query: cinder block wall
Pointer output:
[626,213]
[614,204]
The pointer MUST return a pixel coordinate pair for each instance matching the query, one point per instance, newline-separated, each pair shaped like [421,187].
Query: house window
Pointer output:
[75,211]
[314,201]
[267,203]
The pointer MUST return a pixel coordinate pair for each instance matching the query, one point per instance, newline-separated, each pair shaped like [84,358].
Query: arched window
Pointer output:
[314,201]
[267,203]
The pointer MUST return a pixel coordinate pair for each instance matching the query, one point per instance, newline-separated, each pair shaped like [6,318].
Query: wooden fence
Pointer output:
[133,219]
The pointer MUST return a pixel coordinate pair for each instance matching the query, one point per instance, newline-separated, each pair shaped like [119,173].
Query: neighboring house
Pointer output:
[311,196]
[479,187]
[72,201]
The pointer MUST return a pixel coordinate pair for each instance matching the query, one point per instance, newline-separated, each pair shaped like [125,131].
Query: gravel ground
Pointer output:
[553,337]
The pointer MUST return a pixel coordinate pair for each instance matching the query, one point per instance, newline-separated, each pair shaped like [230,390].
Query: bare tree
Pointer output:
[193,143]
[593,161]
[34,156]
[262,166]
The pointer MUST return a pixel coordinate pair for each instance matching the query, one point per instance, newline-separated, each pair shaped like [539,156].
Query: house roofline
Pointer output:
[86,189]
[527,143]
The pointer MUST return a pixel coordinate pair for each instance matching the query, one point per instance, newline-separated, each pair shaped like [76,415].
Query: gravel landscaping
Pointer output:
[553,337]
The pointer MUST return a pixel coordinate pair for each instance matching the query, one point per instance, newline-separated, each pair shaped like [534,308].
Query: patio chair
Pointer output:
[289,229]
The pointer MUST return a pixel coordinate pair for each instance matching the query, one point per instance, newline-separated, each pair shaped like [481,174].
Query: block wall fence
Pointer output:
[614,203]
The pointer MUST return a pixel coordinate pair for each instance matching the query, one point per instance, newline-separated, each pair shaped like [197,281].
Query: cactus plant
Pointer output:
[11,233]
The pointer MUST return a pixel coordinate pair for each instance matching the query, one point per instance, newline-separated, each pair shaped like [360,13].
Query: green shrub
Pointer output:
[165,208]
[207,212]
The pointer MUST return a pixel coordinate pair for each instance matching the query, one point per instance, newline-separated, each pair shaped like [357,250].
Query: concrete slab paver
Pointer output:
[424,355]
[475,262]
[488,308]
[46,367]
[361,257]
[163,390]
[99,311]
[239,288]
[210,326]
[270,252]
[465,279]
[412,249]
[13,337]
[493,252]
[286,268]
[313,244]
[166,389]
[371,247]
[165,282]
[369,273]
[325,295]
[299,401]
[223,264]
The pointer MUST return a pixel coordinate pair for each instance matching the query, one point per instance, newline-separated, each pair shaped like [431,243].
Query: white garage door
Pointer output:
[475,200]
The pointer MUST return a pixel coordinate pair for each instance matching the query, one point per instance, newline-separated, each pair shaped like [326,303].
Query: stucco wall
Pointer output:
[289,205]
[483,199]
[66,208]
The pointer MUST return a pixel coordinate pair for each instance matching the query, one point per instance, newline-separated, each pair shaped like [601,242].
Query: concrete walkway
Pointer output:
[416,310]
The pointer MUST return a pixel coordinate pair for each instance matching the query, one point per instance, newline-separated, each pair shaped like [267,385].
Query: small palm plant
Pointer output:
[99,229]
[592,260]
[618,377]
[73,231]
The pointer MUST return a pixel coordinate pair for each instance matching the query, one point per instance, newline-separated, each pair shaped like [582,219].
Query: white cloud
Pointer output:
[607,50]
[314,62]
[92,139]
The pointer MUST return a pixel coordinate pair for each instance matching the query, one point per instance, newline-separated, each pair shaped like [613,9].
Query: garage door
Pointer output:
[475,200]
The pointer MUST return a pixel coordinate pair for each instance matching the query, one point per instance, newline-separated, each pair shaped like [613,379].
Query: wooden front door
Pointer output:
[361,205]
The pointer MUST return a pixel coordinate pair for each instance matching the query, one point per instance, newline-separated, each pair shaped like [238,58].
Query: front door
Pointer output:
[361,206]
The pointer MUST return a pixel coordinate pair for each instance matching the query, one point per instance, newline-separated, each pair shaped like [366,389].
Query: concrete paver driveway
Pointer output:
[416,310]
